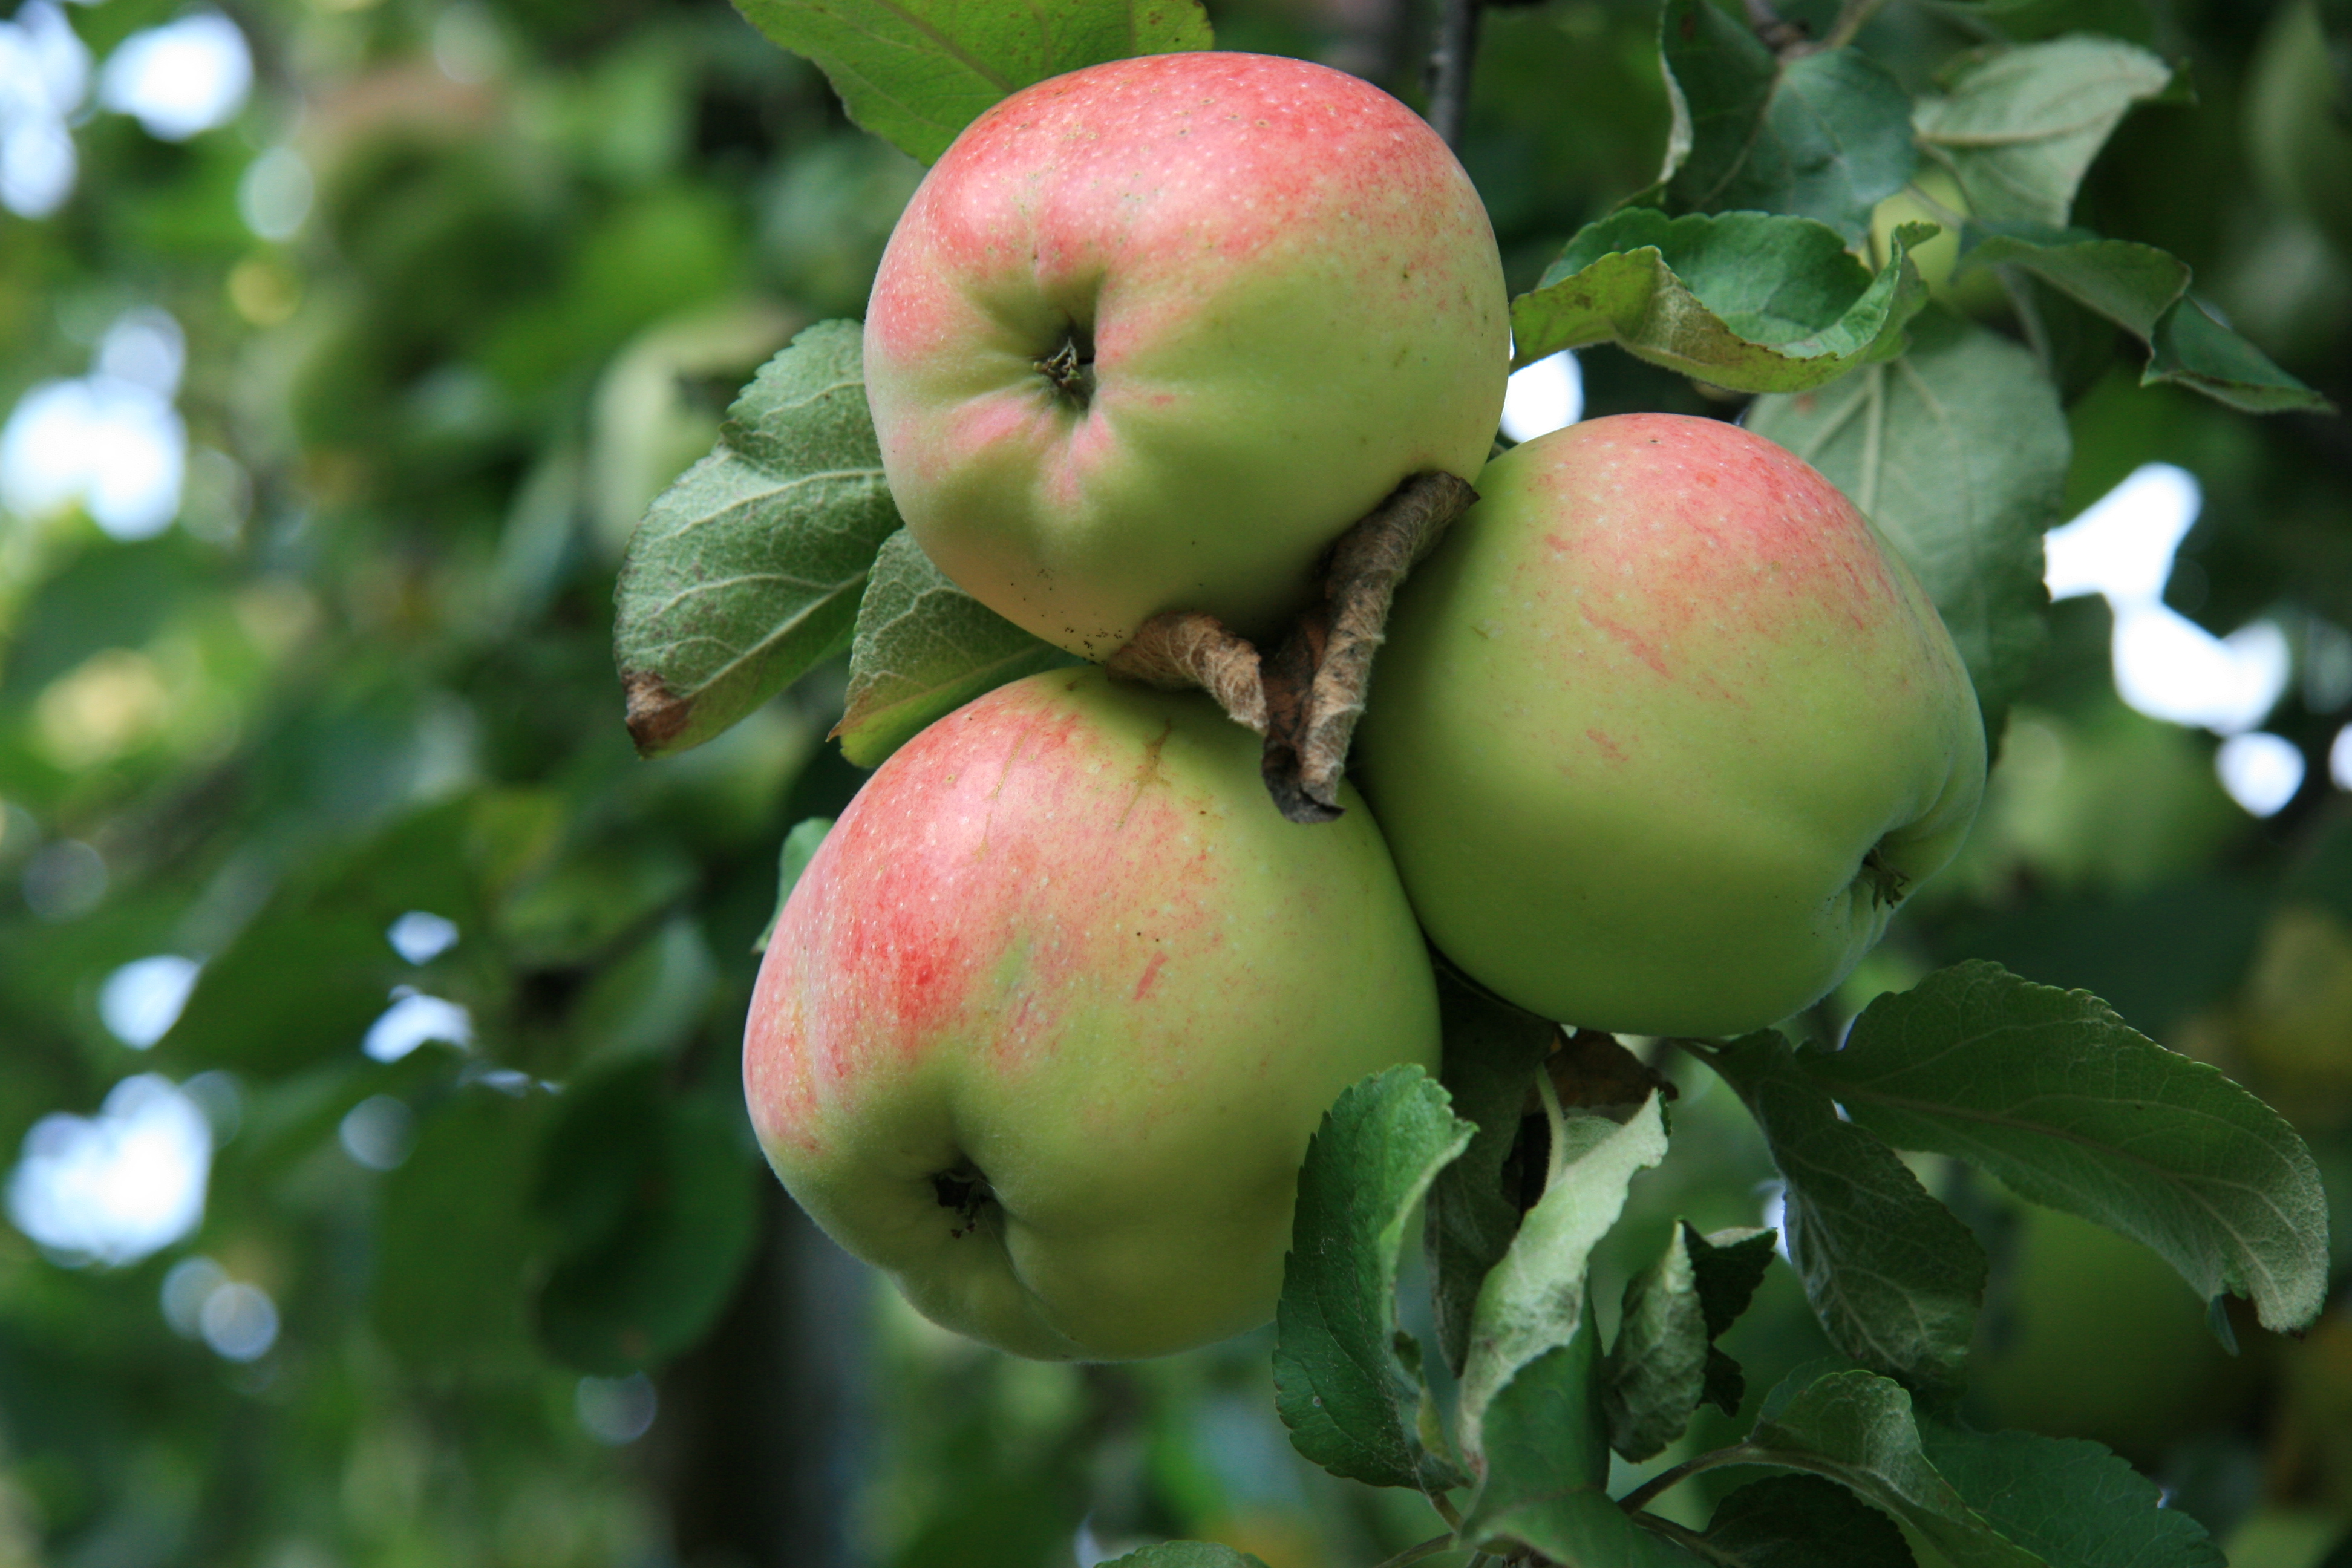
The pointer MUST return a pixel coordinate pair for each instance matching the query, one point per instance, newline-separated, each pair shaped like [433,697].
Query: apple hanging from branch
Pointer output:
[1153,334]
[1047,1024]
[1665,731]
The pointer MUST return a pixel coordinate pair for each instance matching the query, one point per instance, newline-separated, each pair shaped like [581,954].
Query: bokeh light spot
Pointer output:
[117,1186]
[1547,395]
[141,1000]
[180,78]
[2261,771]
[617,1410]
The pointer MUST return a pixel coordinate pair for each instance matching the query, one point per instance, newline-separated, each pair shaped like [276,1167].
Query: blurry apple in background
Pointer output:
[1663,731]
[1150,335]
[2086,1334]
[2293,1024]
[1047,1022]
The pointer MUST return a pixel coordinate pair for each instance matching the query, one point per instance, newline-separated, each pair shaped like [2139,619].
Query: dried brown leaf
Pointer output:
[1185,648]
[1317,681]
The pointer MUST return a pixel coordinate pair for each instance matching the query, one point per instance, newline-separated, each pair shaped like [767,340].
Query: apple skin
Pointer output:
[2086,1334]
[1063,939]
[1641,717]
[1292,301]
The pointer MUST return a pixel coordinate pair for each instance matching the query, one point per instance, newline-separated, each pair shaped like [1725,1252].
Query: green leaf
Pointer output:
[455,1240]
[1492,1050]
[1727,1266]
[915,72]
[314,968]
[2132,285]
[1533,1300]
[924,647]
[1545,1439]
[1570,1523]
[2071,1501]
[2019,129]
[1803,1521]
[2070,1107]
[2195,349]
[747,570]
[800,849]
[647,1004]
[576,909]
[1352,1402]
[1958,453]
[1656,1371]
[1894,1275]
[1748,301]
[1824,135]
[1857,1429]
[651,1196]
[1186,1554]
[2146,291]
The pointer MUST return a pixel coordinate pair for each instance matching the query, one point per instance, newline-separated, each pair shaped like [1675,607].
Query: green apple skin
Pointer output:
[1292,301]
[2089,1335]
[1641,720]
[1063,940]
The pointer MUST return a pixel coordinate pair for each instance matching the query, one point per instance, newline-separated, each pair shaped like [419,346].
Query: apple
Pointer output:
[2086,1334]
[1663,731]
[1150,335]
[2294,1015]
[1048,1020]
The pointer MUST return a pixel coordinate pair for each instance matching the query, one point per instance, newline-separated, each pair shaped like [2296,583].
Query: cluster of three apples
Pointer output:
[1047,1024]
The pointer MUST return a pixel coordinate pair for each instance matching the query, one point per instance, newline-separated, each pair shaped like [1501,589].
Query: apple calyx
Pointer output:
[1071,366]
[1888,887]
[1306,698]
[966,1191]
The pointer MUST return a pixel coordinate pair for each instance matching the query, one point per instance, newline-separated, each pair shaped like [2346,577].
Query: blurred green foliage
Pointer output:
[368,672]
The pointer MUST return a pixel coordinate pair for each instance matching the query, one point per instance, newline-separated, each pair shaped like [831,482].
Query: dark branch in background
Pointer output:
[1449,69]
[1780,36]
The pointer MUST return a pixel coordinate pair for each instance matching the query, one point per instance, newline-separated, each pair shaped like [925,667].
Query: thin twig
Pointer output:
[1642,1496]
[1852,16]
[1874,440]
[1934,208]
[1782,36]
[1419,1550]
[2020,289]
[1449,69]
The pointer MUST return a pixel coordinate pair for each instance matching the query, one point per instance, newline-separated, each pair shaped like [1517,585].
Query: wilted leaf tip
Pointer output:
[657,715]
